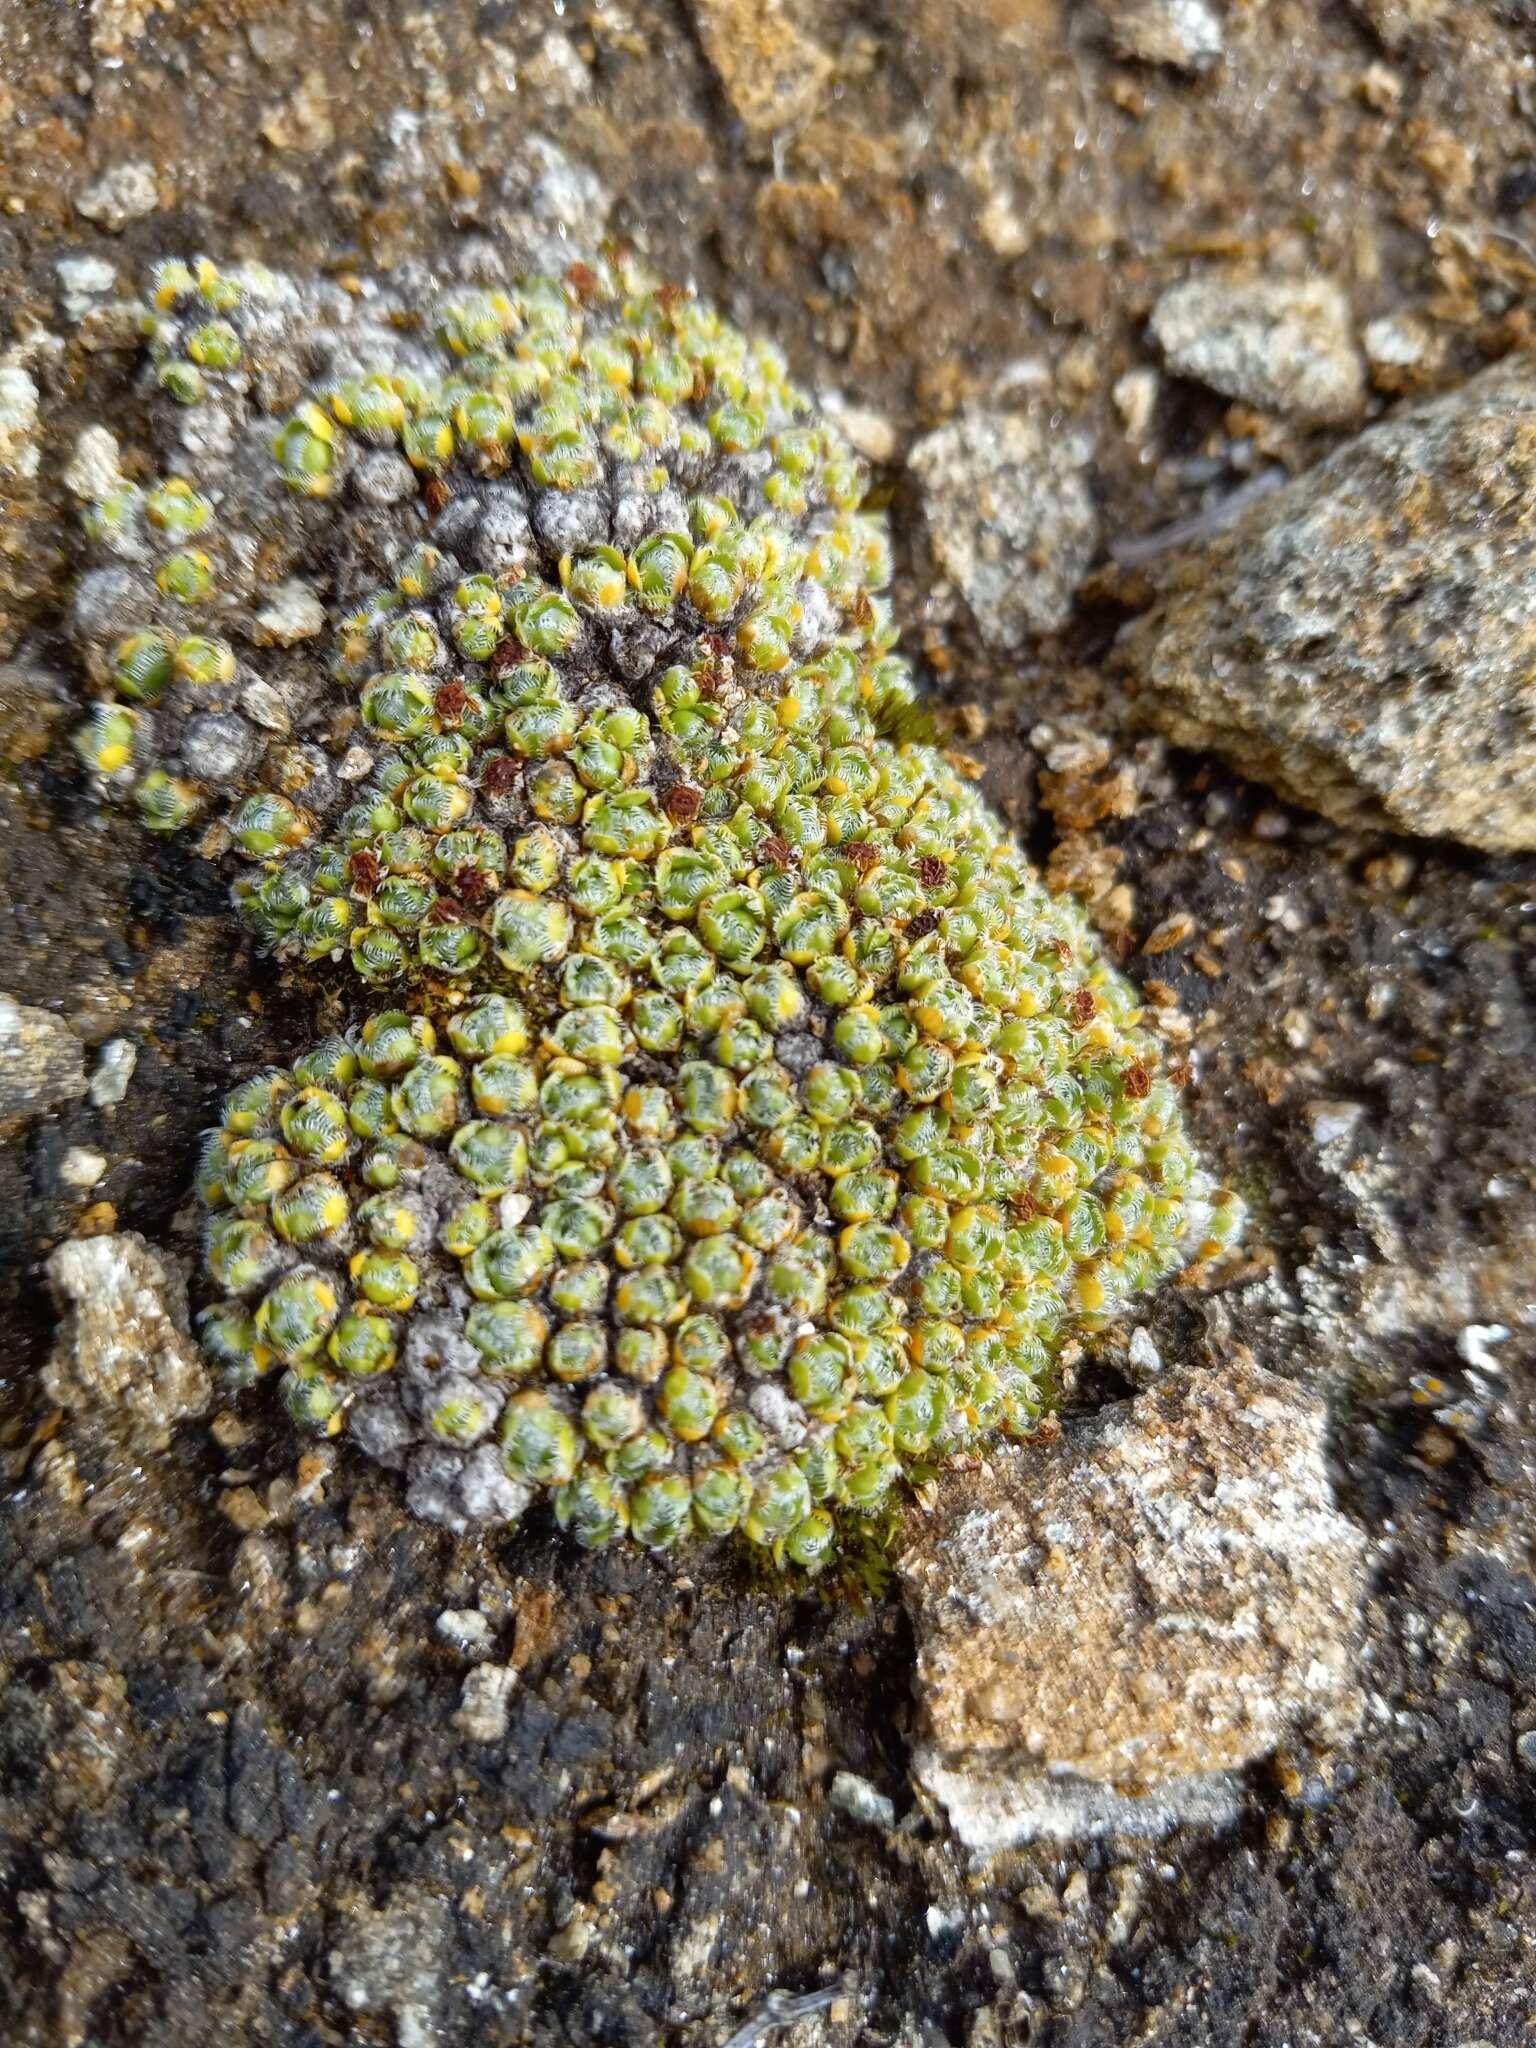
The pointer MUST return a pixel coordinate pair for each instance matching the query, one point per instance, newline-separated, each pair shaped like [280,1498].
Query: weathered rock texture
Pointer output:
[1284,344]
[1185,35]
[771,68]
[1010,519]
[1364,639]
[124,1345]
[1108,1629]
[42,1063]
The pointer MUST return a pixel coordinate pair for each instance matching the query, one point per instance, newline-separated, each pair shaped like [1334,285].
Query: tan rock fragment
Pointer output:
[1108,1629]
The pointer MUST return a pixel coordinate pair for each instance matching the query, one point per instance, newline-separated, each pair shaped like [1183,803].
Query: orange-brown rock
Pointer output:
[1107,1631]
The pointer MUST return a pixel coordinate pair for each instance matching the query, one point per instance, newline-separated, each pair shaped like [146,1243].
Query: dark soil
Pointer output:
[227,1746]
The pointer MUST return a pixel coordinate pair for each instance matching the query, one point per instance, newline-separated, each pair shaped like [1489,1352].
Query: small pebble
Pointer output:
[484,1702]
[1143,1352]
[1331,1122]
[944,1920]
[81,1168]
[94,469]
[1135,396]
[573,1940]
[870,432]
[19,452]
[294,613]
[114,1070]
[124,193]
[83,280]
[1476,1344]
[861,1801]
[466,1630]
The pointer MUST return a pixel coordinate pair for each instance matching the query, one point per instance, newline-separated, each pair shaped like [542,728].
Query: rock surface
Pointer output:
[124,1344]
[1364,638]
[1010,520]
[42,1063]
[289,1724]
[18,421]
[390,1961]
[32,702]
[125,192]
[1285,345]
[1109,1628]
[1184,35]
[770,67]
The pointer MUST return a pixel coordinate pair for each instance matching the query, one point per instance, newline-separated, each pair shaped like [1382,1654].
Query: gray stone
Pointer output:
[382,478]
[1010,520]
[42,1063]
[124,193]
[1285,345]
[292,613]
[390,1961]
[484,1702]
[218,746]
[1111,1626]
[19,452]
[82,281]
[124,1346]
[1183,35]
[1363,639]
[862,1801]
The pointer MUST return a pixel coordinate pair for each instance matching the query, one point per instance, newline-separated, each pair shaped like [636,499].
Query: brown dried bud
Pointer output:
[473,886]
[501,775]
[778,850]
[931,871]
[437,494]
[862,854]
[715,665]
[451,701]
[583,281]
[1138,1082]
[363,871]
[446,911]
[682,803]
[507,653]
[919,927]
[1083,1007]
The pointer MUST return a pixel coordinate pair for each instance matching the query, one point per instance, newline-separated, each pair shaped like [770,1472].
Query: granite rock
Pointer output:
[1285,345]
[1364,638]
[42,1063]
[1010,519]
